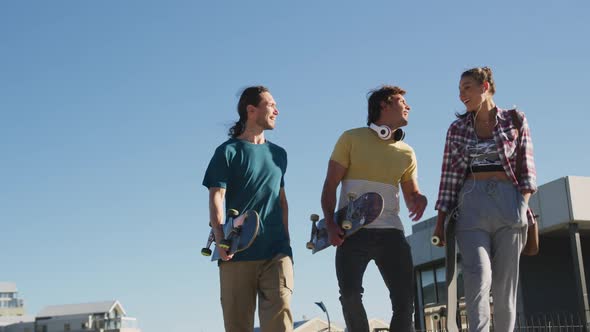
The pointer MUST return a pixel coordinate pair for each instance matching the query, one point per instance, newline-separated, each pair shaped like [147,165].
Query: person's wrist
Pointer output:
[439,222]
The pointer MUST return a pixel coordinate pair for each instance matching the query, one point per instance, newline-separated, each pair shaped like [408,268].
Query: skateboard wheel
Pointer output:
[346,224]
[314,217]
[224,245]
[351,195]
[233,213]
[436,317]
[435,240]
[310,245]
[206,252]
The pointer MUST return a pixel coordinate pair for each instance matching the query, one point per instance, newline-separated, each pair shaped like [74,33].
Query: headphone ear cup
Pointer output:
[383,132]
[398,135]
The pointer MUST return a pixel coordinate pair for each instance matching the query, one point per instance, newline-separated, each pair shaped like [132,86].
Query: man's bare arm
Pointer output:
[334,176]
[216,197]
[415,201]
[285,207]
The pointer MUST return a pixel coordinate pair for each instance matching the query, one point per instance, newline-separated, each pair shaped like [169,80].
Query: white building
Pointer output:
[99,316]
[376,325]
[10,304]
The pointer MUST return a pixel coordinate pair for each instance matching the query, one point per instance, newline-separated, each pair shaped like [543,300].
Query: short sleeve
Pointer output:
[411,172]
[341,152]
[217,173]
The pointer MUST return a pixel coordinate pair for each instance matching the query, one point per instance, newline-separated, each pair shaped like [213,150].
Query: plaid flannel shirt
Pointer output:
[508,139]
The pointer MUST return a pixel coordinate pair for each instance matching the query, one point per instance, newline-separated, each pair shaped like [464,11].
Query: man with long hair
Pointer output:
[247,171]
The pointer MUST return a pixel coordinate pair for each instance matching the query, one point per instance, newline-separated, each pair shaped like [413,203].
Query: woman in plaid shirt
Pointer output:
[480,177]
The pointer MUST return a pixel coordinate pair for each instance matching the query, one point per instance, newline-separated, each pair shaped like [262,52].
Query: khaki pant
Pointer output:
[271,280]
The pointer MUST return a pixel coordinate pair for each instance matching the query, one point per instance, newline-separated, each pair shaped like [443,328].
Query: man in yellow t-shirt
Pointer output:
[375,159]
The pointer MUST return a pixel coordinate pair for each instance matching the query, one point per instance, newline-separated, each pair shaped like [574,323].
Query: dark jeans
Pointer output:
[393,257]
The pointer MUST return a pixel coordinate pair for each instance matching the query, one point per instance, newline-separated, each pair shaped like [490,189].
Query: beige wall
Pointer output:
[12,311]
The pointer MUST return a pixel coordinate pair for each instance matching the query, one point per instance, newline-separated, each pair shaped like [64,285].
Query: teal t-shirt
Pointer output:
[253,175]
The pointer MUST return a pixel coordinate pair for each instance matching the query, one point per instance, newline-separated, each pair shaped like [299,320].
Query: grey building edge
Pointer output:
[552,284]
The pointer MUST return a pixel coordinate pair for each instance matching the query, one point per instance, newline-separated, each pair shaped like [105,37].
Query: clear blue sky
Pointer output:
[110,111]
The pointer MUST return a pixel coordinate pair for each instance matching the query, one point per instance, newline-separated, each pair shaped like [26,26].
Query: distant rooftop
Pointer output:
[8,320]
[80,309]
[7,287]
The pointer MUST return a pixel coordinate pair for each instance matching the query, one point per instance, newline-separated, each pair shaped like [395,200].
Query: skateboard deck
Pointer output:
[358,213]
[451,271]
[239,231]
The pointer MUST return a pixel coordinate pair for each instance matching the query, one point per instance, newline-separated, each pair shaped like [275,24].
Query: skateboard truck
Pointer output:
[350,212]
[206,251]
[314,218]
[437,316]
[226,242]
[236,232]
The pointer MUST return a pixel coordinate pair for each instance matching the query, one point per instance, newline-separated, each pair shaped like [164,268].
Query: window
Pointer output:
[441,284]
[428,286]
[434,286]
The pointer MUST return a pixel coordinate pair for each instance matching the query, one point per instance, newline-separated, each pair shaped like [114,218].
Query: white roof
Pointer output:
[7,287]
[315,324]
[377,323]
[312,325]
[81,309]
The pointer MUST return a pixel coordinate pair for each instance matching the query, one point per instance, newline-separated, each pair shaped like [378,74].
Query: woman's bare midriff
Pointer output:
[501,176]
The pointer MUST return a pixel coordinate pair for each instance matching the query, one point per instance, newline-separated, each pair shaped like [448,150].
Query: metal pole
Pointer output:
[324,309]
[579,274]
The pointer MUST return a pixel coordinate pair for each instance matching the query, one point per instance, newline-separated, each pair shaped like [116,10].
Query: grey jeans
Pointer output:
[491,232]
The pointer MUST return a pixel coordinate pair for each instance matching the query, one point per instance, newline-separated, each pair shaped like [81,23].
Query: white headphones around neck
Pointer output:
[385,133]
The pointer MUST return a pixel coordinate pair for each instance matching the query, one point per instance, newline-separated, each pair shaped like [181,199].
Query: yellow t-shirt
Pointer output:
[375,165]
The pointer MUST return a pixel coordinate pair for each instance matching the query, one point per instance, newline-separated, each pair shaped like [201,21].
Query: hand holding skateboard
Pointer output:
[335,234]
[359,212]
[239,232]
[438,237]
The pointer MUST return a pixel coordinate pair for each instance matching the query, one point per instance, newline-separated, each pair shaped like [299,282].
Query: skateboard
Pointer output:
[239,231]
[358,213]
[451,272]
